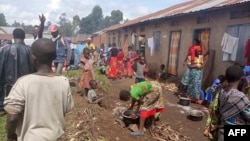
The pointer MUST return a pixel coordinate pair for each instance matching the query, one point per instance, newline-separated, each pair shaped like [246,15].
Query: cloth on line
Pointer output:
[229,47]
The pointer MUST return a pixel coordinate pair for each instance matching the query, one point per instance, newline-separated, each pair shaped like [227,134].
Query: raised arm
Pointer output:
[42,20]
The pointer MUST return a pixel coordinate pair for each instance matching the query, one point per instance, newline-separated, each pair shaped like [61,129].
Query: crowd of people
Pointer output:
[32,75]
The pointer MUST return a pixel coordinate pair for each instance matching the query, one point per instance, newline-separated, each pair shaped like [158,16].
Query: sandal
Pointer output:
[138,133]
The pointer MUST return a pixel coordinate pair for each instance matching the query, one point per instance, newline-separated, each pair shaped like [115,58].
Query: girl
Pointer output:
[88,72]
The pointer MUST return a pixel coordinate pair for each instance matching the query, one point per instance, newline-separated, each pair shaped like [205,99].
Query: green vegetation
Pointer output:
[2,128]
[73,73]
[103,83]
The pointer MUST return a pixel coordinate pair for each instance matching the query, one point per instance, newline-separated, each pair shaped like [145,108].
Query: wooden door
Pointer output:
[173,52]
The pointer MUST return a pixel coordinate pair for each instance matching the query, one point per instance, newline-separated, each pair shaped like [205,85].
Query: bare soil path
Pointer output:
[88,122]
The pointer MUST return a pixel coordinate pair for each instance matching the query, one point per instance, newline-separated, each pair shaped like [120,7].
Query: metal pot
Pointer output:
[127,118]
[184,101]
[196,115]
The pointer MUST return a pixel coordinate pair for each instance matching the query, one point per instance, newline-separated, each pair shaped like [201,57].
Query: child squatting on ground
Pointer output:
[93,97]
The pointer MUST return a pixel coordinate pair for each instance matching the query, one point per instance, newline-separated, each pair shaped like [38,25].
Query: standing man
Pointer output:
[14,62]
[38,30]
[63,50]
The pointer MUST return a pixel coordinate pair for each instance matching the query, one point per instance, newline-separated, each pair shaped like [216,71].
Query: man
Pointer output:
[14,63]
[38,30]
[63,50]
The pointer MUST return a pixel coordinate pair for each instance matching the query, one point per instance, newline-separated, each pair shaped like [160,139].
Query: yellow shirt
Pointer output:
[90,46]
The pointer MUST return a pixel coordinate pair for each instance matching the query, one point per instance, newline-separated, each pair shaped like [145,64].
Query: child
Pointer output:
[210,91]
[162,74]
[93,98]
[234,105]
[102,67]
[140,69]
[38,102]
[88,71]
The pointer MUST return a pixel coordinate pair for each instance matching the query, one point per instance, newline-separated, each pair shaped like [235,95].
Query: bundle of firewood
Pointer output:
[165,133]
[171,87]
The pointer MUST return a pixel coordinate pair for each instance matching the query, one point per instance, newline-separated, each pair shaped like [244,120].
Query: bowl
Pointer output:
[127,119]
[196,115]
[184,101]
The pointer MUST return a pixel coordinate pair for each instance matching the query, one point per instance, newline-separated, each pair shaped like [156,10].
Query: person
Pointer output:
[148,97]
[213,119]
[140,68]
[102,67]
[88,70]
[38,30]
[210,90]
[189,57]
[195,78]
[14,62]
[63,50]
[120,64]
[162,74]
[234,105]
[93,97]
[36,112]
[112,72]
[91,47]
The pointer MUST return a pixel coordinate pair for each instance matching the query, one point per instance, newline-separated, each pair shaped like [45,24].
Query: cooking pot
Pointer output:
[184,101]
[127,119]
[196,115]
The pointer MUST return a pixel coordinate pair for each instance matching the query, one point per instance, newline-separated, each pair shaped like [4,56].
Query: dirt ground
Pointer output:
[87,122]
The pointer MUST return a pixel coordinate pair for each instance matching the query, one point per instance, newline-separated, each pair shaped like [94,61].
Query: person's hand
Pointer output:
[11,137]
[184,64]
[42,18]
[133,116]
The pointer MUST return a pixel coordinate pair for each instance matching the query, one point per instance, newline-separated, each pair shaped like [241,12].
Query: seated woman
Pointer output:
[148,96]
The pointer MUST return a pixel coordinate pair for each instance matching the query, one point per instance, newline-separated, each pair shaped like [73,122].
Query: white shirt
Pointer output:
[43,101]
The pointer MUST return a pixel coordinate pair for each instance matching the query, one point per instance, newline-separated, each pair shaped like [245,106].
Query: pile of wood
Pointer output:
[165,133]
[171,87]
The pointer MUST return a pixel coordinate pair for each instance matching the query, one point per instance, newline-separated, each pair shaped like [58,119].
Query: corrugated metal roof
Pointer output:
[182,8]
[8,29]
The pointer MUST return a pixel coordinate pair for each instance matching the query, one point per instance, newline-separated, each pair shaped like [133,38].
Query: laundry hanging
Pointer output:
[151,45]
[229,46]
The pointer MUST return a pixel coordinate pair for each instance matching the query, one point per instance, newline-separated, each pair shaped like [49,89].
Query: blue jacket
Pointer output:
[63,51]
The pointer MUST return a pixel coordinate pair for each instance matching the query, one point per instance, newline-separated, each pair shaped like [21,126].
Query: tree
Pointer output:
[2,20]
[16,24]
[116,17]
[76,23]
[28,29]
[95,21]
[65,25]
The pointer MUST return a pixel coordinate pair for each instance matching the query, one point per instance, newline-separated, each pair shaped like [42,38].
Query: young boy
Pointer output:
[93,98]
[38,102]
[234,106]
[140,69]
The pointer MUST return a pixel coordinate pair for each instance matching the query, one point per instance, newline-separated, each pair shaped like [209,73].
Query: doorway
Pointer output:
[175,37]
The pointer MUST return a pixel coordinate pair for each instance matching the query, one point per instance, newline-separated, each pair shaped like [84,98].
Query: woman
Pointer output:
[148,96]
[120,64]
[88,71]
[112,72]
[190,57]
[195,77]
